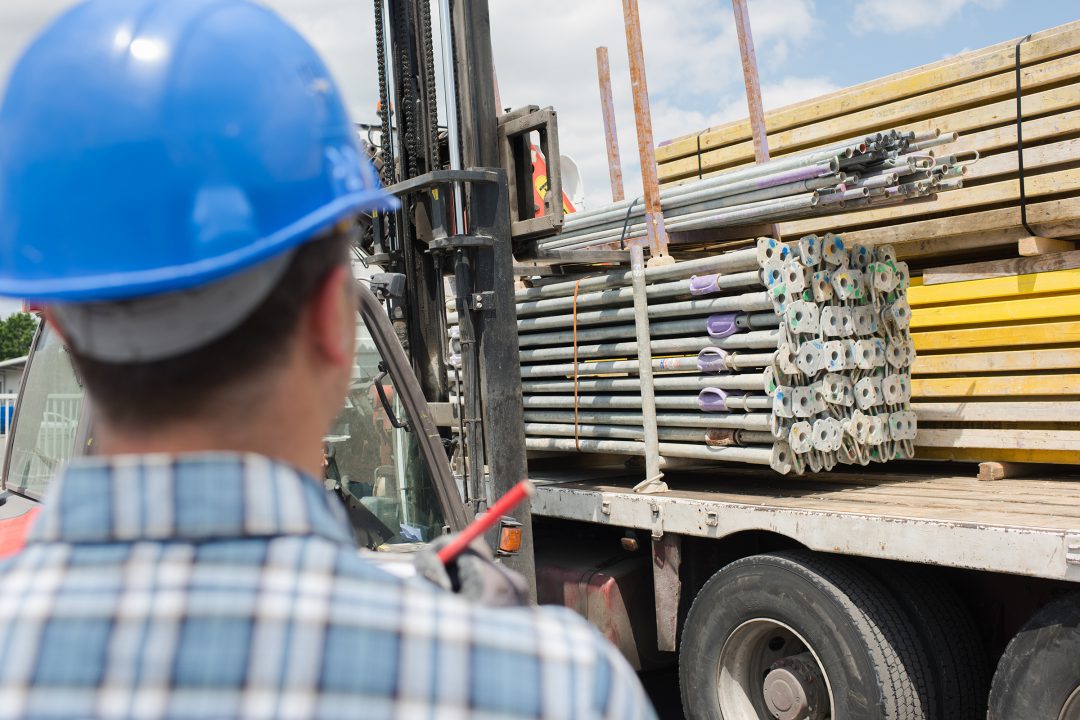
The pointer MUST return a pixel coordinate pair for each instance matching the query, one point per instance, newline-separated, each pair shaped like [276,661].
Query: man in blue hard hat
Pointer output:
[176,177]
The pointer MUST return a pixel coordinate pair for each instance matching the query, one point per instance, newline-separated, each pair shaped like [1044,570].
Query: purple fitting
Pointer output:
[703,284]
[722,325]
[714,399]
[712,360]
[794,175]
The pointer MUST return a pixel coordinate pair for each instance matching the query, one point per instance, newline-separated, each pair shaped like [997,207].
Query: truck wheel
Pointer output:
[950,636]
[796,636]
[1038,677]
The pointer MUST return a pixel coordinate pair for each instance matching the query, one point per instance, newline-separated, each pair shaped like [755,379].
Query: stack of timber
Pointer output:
[795,356]
[973,95]
[998,371]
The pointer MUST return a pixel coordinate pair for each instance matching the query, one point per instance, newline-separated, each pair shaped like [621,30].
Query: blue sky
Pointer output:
[805,48]
[877,49]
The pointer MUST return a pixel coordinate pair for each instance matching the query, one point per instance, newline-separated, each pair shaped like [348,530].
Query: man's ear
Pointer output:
[329,312]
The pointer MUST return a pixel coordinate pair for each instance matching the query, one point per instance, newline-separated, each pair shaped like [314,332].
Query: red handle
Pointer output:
[485,522]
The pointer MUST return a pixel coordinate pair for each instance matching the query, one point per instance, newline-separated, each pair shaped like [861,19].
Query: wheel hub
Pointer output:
[794,689]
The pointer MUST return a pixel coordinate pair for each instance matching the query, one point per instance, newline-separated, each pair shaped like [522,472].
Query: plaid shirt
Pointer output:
[223,585]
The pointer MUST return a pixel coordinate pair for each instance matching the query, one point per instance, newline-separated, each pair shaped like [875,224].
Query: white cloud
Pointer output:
[893,16]
[548,58]
[9,306]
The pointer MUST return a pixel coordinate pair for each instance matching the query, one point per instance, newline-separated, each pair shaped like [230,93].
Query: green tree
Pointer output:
[16,334]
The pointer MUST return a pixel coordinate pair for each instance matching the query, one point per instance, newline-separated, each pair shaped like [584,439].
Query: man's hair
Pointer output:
[136,395]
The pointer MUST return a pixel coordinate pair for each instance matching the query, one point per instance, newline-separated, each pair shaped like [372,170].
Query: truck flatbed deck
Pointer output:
[1029,526]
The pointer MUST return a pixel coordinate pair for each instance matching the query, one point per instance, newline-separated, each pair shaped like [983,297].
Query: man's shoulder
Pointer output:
[238,611]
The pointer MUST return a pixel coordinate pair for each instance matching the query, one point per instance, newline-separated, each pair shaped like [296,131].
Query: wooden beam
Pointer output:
[1057,457]
[1012,439]
[1003,138]
[1001,386]
[1053,333]
[1005,191]
[1001,268]
[1038,308]
[1016,286]
[1005,361]
[959,108]
[968,66]
[920,237]
[1040,157]
[1033,245]
[975,411]
[988,141]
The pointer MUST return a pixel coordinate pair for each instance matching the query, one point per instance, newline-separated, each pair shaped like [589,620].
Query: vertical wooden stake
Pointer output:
[753,86]
[611,135]
[655,231]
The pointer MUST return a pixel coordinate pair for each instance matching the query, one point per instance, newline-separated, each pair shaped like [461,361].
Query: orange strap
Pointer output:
[577,435]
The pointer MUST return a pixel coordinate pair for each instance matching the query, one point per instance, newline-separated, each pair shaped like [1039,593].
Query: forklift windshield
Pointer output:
[377,468]
[376,465]
[46,425]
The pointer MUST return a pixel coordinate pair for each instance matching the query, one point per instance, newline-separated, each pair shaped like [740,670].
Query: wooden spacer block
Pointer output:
[1007,470]
[1034,245]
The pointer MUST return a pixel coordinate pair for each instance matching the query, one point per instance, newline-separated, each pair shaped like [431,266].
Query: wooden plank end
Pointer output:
[1034,245]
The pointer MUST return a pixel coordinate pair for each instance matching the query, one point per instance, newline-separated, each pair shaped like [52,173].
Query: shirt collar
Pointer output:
[193,497]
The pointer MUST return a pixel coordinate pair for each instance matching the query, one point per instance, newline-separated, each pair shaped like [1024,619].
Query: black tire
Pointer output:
[950,636]
[872,658]
[1040,670]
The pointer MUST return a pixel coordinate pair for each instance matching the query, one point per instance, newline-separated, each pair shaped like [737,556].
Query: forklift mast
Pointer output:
[455,220]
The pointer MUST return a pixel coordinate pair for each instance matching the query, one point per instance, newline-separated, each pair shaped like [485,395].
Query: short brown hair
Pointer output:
[131,396]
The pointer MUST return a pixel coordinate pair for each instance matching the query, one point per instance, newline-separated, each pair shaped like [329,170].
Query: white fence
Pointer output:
[7,412]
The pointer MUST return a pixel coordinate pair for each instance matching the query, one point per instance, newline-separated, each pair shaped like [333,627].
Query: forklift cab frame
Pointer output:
[386,430]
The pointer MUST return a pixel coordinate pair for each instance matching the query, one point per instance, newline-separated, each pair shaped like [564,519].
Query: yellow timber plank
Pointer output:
[1000,386]
[977,411]
[1001,336]
[1058,457]
[1043,103]
[1016,286]
[1011,439]
[1000,139]
[1003,138]
[965,67]
[1003,191]
[1036,308]
[1005,361]
[1000,268]
[1035,158]
[972,230]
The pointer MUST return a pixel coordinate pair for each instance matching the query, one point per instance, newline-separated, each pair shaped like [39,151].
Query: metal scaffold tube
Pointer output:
[810,371]
[748,302]
[757,321]
[864,172]
[739,261]
[759,339]
[755,455]
[732,421]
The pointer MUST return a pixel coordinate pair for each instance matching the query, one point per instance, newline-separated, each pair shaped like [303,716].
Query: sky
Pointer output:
[547,57]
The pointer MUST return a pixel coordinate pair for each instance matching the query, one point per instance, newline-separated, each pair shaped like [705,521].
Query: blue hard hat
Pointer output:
[149,146]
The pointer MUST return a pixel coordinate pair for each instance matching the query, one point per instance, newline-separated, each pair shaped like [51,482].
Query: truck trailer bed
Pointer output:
[923,514]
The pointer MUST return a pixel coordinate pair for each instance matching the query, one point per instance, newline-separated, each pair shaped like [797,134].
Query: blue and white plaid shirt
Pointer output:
[222,585]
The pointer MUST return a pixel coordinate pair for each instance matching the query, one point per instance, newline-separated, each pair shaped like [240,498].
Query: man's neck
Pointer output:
[300,450]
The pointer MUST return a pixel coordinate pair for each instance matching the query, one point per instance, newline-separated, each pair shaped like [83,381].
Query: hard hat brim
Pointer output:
[120,286]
